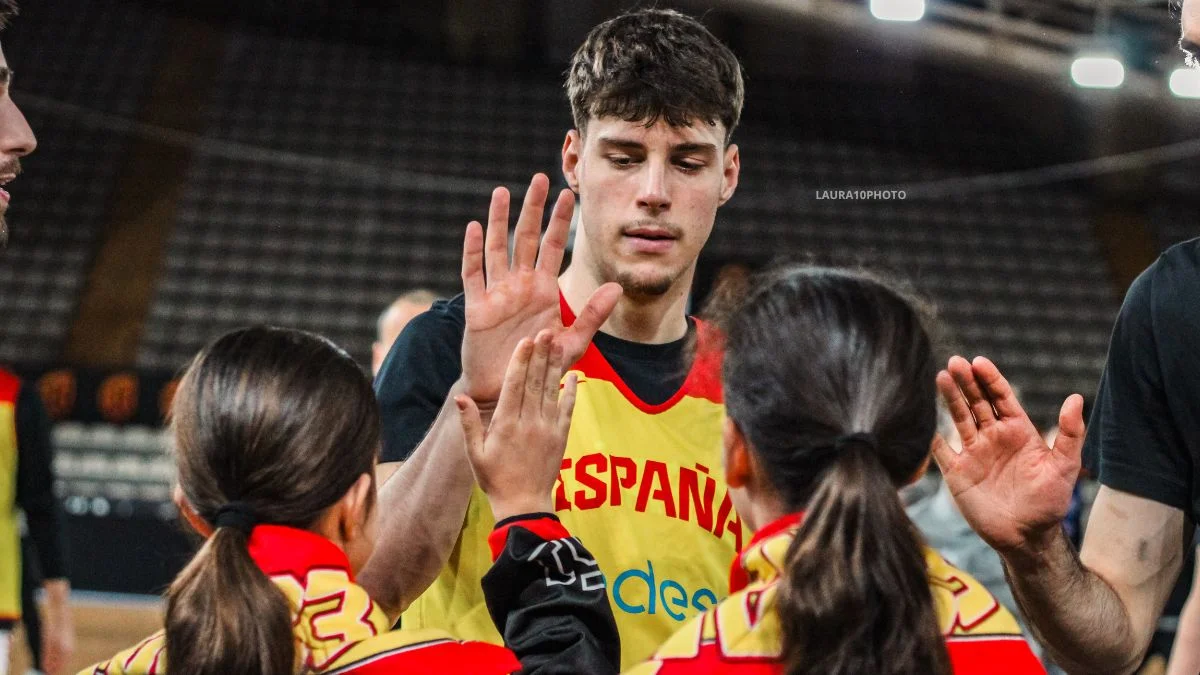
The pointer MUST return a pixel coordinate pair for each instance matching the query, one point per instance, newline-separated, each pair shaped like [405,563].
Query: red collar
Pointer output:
[277,549]
[738,577]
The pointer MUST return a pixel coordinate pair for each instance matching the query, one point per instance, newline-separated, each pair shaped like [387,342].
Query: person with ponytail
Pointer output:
[276,435]
[829,384]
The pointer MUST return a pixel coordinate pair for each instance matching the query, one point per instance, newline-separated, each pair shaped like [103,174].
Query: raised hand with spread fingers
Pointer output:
[1011,487]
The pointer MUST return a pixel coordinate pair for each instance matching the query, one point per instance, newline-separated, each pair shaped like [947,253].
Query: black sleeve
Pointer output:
[417,374]
[35,484]
[1133,442]
[549,601]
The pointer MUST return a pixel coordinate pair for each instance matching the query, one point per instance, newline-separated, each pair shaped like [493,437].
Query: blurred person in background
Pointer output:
[655,98]
[276,437]
[26,467]
[393,320]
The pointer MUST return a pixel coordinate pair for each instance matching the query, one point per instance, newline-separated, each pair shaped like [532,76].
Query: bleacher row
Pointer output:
[274,237]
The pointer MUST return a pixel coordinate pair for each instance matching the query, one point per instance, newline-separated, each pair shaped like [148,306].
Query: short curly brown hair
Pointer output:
[652,64]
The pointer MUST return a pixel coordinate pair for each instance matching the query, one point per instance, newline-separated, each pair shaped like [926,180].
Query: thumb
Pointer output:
[1070,428]
[593,315]
[945,456]
[472,425]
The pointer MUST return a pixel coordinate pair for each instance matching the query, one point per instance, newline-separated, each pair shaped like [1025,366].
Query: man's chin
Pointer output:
[645,286]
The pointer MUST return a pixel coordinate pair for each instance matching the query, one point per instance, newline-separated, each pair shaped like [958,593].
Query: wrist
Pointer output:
[1033,554]
[486,406]
[505,510]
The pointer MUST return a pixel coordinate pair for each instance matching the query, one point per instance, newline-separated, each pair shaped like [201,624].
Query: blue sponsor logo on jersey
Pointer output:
[660,595]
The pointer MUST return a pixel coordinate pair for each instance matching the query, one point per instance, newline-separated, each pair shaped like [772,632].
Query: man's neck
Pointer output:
[649,320]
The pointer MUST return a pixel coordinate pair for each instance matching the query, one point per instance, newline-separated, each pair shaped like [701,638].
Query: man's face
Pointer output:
[1189,19]
[648,199]
[16,141]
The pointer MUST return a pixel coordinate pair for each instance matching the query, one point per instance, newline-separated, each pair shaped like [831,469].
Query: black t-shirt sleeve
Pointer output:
[1134,443]
[417,375]
[35,484]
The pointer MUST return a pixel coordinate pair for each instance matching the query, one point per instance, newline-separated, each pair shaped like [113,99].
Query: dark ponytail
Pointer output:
[856,577]
[225,616]
[829,374]
[270,426]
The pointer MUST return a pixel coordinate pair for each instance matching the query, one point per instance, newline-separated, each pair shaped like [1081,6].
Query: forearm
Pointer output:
[421,511]
[1078,616]
[1185,653]
[58,597]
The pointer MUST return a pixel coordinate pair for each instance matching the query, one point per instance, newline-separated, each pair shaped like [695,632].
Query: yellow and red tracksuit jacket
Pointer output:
[742,635]
[544,590]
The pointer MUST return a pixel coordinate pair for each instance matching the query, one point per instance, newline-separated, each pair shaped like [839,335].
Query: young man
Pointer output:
[655,98]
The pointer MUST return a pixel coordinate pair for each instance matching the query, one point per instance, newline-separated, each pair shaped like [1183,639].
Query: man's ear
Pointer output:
[355,507]
[732,171]
[571,151]
[739,465]
[200,525]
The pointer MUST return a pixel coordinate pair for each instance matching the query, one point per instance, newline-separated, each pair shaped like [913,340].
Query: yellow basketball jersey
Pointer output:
[10,538]
[641,485]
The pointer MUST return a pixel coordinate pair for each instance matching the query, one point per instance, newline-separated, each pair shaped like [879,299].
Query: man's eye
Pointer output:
[620,160]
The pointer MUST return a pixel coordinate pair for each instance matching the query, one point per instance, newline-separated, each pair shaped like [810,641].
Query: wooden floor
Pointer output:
[103,627]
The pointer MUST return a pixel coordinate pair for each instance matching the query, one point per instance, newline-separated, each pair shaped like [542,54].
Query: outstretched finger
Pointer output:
[1071,428]
[960,412]
[496,243]
[472,262]
[554,373]
[554,244]
[472,426]
[566,405]
[997,388]
[594,314]
[535,380]
[512,393]
[981,406]
[529,223]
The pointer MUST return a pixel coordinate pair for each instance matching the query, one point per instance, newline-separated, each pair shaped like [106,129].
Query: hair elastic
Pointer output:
[237,515]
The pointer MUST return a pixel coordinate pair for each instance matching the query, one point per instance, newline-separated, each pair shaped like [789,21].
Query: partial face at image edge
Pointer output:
[16,141]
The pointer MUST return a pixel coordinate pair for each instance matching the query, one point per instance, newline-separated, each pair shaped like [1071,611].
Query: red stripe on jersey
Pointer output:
[477,658]
[9,387]
[992,655]
[703,380]
[546,528]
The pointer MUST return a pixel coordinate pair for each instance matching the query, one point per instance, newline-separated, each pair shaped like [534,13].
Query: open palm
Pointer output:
[1010,486]
[506,302]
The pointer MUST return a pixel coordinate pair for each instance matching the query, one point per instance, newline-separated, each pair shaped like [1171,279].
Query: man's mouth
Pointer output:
[5,180]
[650,239]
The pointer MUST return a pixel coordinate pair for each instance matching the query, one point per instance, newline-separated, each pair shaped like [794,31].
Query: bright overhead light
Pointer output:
[898,10]
[1098,71]
[1185,83]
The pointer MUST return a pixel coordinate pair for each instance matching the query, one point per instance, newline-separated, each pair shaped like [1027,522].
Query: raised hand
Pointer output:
[516,300]
[1010,486]
[517,459]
